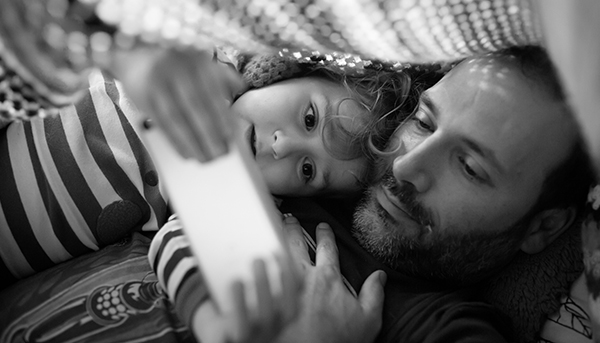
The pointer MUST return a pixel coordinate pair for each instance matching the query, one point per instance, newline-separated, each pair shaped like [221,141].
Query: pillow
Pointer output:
[571,323]
[591,258]
[529,289]
[110,295]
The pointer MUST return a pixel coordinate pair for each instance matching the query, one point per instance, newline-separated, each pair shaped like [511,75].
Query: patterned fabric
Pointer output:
[385,29]
[530,287]
[591,258]
[18,99]
[578,318]
[571,323]
[52,44]
[74,183]
[106,297]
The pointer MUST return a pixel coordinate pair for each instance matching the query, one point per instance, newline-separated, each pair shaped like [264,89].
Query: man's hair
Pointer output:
[568,183]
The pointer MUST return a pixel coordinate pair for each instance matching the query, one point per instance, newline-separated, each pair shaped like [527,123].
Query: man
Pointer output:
[477,158]
[491,163]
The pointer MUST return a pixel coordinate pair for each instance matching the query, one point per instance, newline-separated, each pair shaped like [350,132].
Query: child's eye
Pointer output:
[310,119]
[307,171]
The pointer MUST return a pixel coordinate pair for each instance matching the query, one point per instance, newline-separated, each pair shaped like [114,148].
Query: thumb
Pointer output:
[371,294]
[233,83]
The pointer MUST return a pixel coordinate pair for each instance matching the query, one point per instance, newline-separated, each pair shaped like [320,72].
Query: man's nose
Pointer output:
[415,167]
[284,144]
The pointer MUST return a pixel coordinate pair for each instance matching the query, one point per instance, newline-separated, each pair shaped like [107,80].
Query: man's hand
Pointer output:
[328,311]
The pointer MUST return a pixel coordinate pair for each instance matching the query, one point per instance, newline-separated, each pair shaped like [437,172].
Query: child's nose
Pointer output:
[284,144]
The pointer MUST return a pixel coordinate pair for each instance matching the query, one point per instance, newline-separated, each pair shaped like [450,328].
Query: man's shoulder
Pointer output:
[442,316]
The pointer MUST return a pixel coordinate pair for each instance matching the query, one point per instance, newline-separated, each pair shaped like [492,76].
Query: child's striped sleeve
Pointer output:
[177,269]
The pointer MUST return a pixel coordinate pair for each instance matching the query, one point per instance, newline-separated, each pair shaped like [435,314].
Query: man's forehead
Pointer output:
[485,85]
[490,74]
[497,107]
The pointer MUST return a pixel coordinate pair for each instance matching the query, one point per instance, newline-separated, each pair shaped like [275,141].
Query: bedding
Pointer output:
[57,304]
[110,295]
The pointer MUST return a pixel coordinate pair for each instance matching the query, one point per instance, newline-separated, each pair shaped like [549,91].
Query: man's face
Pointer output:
[284,125]
[470,165]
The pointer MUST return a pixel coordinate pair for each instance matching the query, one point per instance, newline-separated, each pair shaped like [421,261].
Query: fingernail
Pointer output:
[323,226]
[382,277]
[290,219]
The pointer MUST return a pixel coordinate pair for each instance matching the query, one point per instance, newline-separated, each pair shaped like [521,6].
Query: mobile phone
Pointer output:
[227,213]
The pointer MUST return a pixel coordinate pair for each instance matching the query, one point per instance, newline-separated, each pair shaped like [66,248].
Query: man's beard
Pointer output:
[447,255]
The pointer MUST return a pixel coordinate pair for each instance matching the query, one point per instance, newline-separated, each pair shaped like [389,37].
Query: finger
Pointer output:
[327,252]
[234,84]
[372,294]
[219,83]
[202,113]
[291,288]
[202,93]
[264,295]
[240,317]
[175,119]
[207,324]
[296,243]
[154,96]
[230,84]
[144,75]
[191,103]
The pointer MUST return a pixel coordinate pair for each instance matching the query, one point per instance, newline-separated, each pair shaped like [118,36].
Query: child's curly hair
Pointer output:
[389,98]
[383,95]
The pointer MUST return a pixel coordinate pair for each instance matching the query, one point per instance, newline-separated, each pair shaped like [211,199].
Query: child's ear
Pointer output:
[545,227]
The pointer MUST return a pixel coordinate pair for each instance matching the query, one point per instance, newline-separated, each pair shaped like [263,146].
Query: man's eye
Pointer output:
[469,170]
[307,171]
[310,119]
[422,122]
[423,125]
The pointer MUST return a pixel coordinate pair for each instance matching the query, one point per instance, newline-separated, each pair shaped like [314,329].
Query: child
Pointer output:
[95,183]
[89,182]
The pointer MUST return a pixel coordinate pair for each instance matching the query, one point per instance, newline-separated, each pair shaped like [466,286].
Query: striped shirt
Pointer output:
[75,182]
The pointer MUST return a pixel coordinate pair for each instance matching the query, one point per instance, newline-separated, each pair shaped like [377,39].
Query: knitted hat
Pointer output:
[263,70]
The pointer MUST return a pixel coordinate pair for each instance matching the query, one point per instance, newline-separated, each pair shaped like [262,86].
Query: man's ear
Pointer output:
[546,226]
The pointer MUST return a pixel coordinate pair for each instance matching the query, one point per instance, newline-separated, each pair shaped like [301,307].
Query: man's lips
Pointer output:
[393,206]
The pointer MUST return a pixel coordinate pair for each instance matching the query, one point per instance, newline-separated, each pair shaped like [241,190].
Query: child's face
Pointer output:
[283,124]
